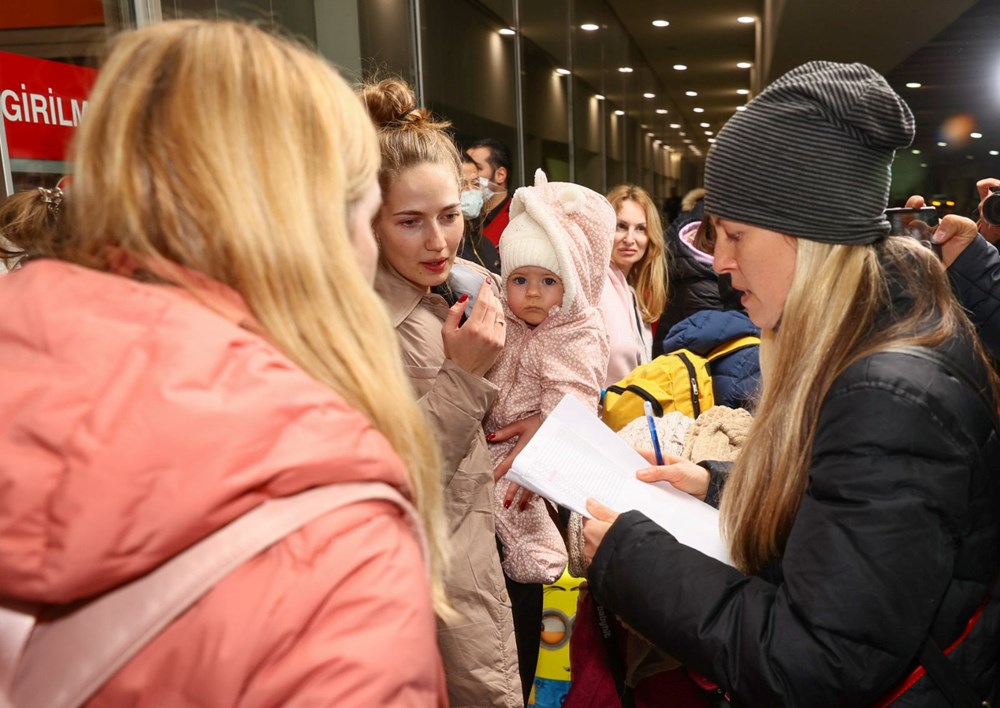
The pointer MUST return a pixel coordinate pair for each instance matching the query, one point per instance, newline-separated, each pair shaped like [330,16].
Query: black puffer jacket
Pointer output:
[898,535]
[975,278]
[694,287]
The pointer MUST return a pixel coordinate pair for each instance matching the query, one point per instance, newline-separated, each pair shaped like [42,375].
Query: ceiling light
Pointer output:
[563,72]
[682,133]
[506,31]
[975,135]
[995,152]
[709,132]
[660,23]
[692,94]
[923,164]
[915,151]
[643,126]
[625,69]
[687,141]
[969,157]
[649,135]
[680,67]
[914,84]
[744,20]
[711,140]
[741,108]
[662,111]
[590,27]
[649,95]
[619,113]
[744,65]
[599,97]
[675,126]
[698,110]
[743,92]
[704,125]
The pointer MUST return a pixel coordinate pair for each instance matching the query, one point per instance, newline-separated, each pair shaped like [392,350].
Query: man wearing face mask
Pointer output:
[475,247]
[492,160]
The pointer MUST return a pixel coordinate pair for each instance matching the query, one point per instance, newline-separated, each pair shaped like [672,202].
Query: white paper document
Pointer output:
[574,456]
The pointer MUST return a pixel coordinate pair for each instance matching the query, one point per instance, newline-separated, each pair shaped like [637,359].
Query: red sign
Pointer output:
[41,103]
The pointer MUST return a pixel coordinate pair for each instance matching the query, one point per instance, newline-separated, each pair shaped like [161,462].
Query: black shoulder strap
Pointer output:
[953,368]
[955,686]
[607,626]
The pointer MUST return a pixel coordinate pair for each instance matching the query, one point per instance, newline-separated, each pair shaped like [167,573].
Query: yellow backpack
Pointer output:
[678,381]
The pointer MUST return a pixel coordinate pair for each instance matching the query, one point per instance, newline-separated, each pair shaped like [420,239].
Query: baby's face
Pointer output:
[532,292]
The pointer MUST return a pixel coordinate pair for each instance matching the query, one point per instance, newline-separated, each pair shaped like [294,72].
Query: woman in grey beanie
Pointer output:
[863,513]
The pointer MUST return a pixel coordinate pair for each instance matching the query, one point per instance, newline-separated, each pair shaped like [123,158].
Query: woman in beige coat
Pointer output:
[419,228]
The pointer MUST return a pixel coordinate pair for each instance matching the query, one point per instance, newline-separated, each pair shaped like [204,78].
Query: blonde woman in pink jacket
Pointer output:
[555,248]
[635,290]
[205,340]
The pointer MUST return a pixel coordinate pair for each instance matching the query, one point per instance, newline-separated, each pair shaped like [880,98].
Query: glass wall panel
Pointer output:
[48,53]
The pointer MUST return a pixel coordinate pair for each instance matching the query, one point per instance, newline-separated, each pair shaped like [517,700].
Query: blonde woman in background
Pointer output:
[419,228]
[635,291]
[208,341]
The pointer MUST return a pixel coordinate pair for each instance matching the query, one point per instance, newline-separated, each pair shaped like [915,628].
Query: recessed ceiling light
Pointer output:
[660,23]
[692,94]
[744,65]
[704,125]
[675,126]
[643,126]
[942,144]
[649,95]
[915,151]
[506,31]
[589,27]
[923,164]
[969,157]
[709,132]
[914,84]
[711,140]
[625,69]
[698,110]
[743,92]
[649,135]
[662,111]
[563,72]
[680,67]
[995,152]
[687,141]
[682,133]
[619,113]
[741,108]
[744,20]
[599,97]
[975,135]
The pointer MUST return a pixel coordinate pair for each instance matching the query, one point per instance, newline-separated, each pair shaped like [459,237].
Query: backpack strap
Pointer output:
[733,346]
[70,657]
[952,682]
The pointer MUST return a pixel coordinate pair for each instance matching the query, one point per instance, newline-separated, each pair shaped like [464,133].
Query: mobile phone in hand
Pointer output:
[464,280]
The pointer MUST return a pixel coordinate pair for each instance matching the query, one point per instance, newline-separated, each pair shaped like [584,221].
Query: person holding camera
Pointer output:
[969,252]
[863,512]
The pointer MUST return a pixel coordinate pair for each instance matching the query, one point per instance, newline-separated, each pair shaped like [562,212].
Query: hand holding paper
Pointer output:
[574,456]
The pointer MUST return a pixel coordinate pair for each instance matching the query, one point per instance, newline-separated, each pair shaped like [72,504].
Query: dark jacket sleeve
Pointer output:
[865,568]
[975,279]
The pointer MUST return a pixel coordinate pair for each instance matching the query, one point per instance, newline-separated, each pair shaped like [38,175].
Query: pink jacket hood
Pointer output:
[134,421]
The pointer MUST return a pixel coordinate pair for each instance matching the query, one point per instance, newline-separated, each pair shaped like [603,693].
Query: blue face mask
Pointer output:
[472,203]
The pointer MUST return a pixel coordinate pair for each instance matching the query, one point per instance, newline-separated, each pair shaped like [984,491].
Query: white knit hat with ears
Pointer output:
[537,235]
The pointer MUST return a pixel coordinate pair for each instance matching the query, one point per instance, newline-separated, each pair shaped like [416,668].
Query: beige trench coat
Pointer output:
[480,656]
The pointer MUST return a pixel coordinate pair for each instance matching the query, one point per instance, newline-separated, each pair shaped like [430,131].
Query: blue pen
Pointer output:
[652,432]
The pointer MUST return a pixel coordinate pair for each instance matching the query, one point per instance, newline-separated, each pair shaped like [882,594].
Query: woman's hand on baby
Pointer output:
[682,474]
[475,345]
[522,430]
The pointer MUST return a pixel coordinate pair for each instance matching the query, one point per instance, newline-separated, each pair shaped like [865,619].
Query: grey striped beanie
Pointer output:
[811,156]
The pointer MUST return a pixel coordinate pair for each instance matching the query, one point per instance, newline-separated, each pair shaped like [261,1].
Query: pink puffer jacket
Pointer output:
[134,421]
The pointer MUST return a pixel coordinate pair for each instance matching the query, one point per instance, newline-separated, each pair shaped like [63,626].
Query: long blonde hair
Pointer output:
[240,155]
[649,275]
[830,320]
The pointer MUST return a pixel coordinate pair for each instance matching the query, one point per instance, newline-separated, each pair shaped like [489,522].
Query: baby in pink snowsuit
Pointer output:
[554,255]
